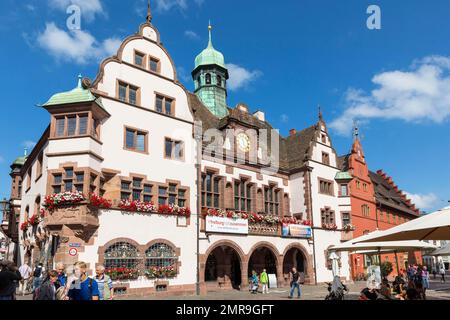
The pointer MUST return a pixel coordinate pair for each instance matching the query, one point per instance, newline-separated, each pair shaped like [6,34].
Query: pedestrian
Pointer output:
[434,273]
[25,272]
[425,280]
[295,283]
[82,287]
[255,282]
[442,271]
[61,282]
[9,275]
[264,278]
[47,290]
[105,285]
[38,275]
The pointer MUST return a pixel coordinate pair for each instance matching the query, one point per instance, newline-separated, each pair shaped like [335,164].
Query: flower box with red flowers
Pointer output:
[34,220]
[99,202]
[161,272]
[122,273]
[57,200]
[329,226]
[24,226]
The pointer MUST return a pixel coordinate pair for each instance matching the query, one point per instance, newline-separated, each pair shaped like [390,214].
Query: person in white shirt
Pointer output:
[25,272]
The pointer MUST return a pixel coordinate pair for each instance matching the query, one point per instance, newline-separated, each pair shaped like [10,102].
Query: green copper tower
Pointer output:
[210,77]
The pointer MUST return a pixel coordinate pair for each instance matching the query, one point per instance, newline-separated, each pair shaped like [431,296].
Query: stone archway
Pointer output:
[222,267]
[295,255]
[264,255]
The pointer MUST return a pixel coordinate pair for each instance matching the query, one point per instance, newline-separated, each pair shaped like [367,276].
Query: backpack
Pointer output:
[37,272]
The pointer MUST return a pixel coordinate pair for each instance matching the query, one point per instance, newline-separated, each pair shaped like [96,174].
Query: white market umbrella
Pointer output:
[444,251]
[433,226]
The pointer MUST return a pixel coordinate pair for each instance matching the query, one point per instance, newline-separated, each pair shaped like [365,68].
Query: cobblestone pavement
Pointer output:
[438,291]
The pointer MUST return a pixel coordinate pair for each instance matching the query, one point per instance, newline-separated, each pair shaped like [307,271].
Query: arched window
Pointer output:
[208,78]
[219,80]
[27,213]
[37,205]
[121,255]
[199,81]
[161,261]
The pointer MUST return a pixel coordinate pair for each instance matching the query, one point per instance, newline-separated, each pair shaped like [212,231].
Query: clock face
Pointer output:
[243,142]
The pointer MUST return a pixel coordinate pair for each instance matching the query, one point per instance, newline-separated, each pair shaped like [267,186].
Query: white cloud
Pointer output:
[89,8]
[30,7]
[166,5]
[241,77]
[284,118]
[28,144]
[75,45]
[424,201]
[417,95]
[2,159]
[191,35]
[183,74]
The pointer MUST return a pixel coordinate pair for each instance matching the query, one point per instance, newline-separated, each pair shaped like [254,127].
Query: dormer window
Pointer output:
[139,59]
[325,158]
[154,64]
[208,78]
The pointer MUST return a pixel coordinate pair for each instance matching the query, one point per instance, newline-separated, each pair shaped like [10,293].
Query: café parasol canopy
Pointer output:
[444,251]
[433,226]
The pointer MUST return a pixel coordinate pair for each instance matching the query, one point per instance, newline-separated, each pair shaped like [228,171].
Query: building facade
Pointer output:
[131,160]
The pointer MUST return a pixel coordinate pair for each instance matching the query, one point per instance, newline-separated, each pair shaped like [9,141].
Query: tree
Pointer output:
[386,268]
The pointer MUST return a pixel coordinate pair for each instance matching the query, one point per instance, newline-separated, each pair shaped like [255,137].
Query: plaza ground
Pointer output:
[437,291]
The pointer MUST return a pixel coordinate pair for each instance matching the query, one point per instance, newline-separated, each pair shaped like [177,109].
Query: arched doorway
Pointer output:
[223,268]
[262,258]
[294,258]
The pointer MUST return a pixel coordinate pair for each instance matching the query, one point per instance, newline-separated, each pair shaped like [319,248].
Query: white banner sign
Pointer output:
[226,225]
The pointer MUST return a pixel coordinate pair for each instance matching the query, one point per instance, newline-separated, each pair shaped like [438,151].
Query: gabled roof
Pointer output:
[297,147]
[388,194]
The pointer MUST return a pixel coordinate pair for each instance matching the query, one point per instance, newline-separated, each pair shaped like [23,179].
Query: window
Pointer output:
[325,158]
[161,255]
[365,186]
[136,140]
[139,59]
[271,200]
[173,149]
[219,80]
[29,174]
[243,196]
[346,220]
[128,93]
[57,181]
[122,255]
[208,78]
[137,189]
[365,209]
[211,190]
[327,216]
[324,138]
[358,184]
[125,190]
[154,64]
[165,105]
[326,187]
[71,125]
[39,165]
[344,190]
[162,195]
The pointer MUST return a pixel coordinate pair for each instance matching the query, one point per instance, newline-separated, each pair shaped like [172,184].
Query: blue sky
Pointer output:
[284,57]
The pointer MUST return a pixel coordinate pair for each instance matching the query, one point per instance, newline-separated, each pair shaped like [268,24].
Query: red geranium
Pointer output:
[99,202]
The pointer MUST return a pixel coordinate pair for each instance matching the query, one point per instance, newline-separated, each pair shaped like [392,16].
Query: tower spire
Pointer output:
[149,13]
[320,112]
[210,34]
[355,130]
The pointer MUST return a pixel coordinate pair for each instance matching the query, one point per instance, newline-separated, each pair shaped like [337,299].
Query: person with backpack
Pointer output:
[9,275]
[105,284]
[82,287]
[47,290]
[25,272]
[38,275]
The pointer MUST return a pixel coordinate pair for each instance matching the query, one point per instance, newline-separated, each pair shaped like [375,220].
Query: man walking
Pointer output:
[25,272]
[442,271]
[264,279]
[295,283]
[9,274]
[38,275]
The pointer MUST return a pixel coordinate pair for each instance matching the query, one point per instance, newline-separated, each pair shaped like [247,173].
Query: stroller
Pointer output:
[336,290]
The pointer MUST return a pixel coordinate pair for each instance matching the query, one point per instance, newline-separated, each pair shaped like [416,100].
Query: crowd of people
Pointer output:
[63,283]
[410,284]
[262,280]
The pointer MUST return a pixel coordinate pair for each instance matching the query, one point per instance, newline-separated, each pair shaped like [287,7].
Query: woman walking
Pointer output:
[425,281]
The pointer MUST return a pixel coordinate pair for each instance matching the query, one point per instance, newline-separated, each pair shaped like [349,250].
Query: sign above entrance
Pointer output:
[226,225]
[298,231]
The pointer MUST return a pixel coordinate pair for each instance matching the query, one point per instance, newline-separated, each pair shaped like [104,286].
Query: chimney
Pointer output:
[292,132]
[260,115]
